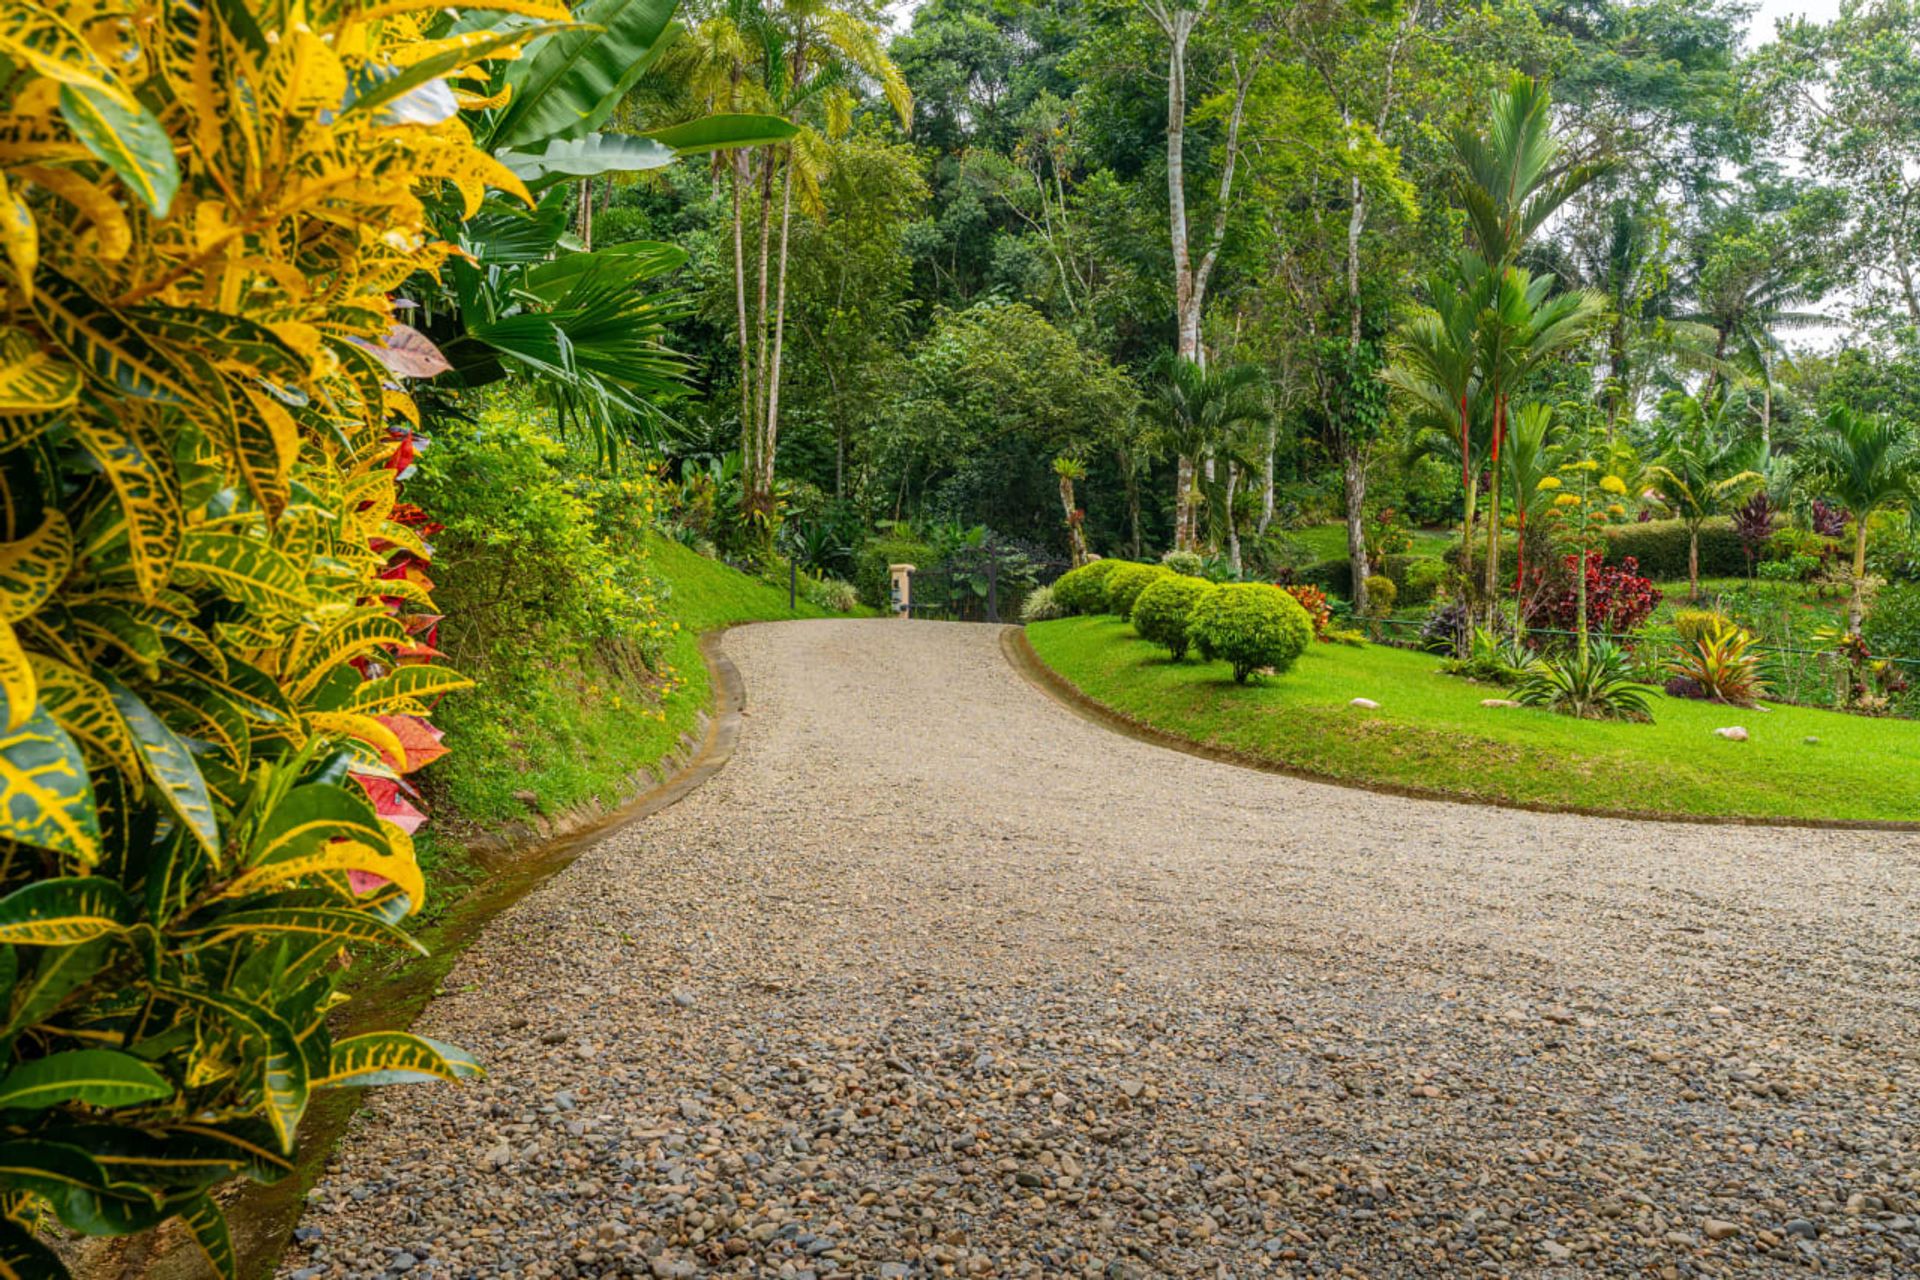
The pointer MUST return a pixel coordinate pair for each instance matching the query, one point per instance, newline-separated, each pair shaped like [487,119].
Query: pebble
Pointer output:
[1732,733]
[987,991]
[1365,704]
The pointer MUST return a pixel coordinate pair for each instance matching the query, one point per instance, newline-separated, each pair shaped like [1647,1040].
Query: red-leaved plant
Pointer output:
[1619,599]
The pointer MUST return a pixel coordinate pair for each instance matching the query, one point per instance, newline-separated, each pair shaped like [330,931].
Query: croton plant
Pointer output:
[216,626]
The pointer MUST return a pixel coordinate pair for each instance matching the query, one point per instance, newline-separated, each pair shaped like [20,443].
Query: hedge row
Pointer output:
[870,577]
[1659,545]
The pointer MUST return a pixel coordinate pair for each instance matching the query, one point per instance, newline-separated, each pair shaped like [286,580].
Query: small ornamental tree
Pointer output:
[1251,627]
[1126,582]
[1164,611]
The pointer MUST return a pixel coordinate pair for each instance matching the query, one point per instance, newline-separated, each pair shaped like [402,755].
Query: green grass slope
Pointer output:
[1431,732]
[579,732]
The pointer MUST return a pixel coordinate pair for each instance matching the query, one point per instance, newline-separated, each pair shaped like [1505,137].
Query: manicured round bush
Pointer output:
[1084,590]
[1381,592]
[1187,562]
[1163,610]
[1249,625]
[1125,584]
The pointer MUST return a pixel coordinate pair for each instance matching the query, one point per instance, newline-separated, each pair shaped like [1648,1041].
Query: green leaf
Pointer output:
[282,1069]
[63,911]
[310,816]
[101,1077]
[396,1057]
[628,263]
[587,157]
[170,765]
[724,132]
[345,924]
[208,1227]
[45,798]
[570,83]
[101,340]
[133,143]
[247,570]
[24,1258]
[59,971]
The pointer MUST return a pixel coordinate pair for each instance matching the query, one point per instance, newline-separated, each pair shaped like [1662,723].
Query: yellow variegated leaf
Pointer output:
[63,912]
[406,539]
[488,102]
[19,236]
[395,1057]
[405,688]
[344,923]
[134,144]
[35,35]
[139,468]
[31,568]
[244,569]
[16,680]
[401,403]
[95,204]
[81,705]
[366,729]
[45,797]
[551,10]
[357,635]
[336,858]
[31,381]
[101,341]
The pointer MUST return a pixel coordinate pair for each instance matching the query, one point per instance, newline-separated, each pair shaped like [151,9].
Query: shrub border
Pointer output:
[1022,658]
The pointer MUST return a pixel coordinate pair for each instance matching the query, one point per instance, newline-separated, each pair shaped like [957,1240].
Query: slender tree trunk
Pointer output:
[1266,480]
[1354,480]
[771,449]
[1857,607]
[749,481]
[1233,526]
[1693,564]
[585,227]
[1076,536]
[1493,504]
[1133,506]
[734,166]
[1182,503]
[1766,410]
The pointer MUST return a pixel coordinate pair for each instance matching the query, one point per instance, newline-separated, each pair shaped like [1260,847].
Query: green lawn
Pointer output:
[1431,732]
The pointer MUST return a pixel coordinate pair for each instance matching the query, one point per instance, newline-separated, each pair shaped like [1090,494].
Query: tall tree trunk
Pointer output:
[1693,564]
[1266,480]
[772,438]
[1857,606]
[1132,474]
[1353,475]
[1766,410]
[750,471]
[735,164]
[1616,372]
[1493,504]
[1076,536]
[1233,526]
[584,227]
[1183,486]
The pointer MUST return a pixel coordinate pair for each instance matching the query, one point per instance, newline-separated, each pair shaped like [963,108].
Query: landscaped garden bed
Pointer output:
[1432,734]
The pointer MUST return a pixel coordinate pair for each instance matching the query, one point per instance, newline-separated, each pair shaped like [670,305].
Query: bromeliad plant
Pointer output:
[1722,664]
[215,619]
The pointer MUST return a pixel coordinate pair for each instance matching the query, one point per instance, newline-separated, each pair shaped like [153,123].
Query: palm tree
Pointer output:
[1746,302]
[1435,367]
[1521,327]
[1197,409]
[1512,180]
[1702,472]
[1531,456]
[1069,469]
[1867,463]
[799,59]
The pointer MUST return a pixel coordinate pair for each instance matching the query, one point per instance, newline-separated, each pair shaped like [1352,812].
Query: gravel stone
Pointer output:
[984,989]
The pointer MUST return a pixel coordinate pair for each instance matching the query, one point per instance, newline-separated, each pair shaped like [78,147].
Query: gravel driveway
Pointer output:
[936,978]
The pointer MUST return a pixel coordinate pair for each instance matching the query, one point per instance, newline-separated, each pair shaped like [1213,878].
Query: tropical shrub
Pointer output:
[1165,608]
[1446,628]
[1417,578]
[1381,593]
[215,662]
[1829,520]
[1250,626]
[1041,605]
[1693,624]
[1619,598]
[1723,665]
[1335,577]
[1492,658]
[1125,583]
[832,594]
[1385,534]
[1187,562]
[1084,590]
[1314,601]
[1800,568]
[1753,525]
[1892,625]
[871,564]
[1594,684]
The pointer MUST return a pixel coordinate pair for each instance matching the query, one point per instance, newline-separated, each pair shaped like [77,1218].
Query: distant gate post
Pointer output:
[902,575]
